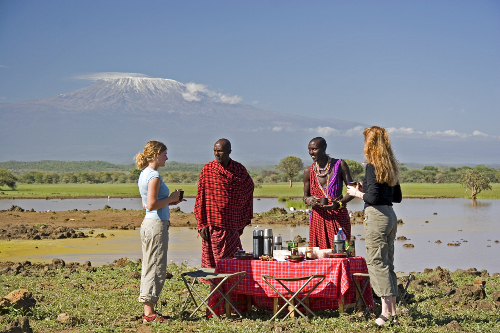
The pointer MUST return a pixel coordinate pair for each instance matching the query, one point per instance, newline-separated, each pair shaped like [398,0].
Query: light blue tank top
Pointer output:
[144,178]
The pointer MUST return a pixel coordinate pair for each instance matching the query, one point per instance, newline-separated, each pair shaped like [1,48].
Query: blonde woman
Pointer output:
[380,190]
[154,228]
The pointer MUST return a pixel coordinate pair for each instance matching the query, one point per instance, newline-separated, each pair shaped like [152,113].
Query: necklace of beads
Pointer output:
[322,172]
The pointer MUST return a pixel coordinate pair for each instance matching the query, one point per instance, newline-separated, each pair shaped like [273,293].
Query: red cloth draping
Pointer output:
[337,284]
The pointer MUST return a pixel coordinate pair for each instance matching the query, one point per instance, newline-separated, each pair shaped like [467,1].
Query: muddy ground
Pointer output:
[17,223]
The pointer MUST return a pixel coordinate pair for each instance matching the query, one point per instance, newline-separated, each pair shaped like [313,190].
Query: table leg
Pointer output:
[249,303]
[306,302]
[341,305]
[228,307]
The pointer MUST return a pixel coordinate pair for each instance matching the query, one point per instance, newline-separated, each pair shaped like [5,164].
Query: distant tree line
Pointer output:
[428,174]
[443,174]
[101,177]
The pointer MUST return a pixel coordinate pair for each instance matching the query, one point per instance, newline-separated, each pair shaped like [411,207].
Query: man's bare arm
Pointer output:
[346,177]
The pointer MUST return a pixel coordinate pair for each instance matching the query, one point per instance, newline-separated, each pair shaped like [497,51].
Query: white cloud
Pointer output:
[229,99]
[277,129]
[406,132]
[477,133]
[2,66]
[108,75]
[358,130]
[448,134]
[324,131]
[255,102]
[194,89]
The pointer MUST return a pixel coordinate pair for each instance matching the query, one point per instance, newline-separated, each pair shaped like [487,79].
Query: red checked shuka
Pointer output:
[224,203]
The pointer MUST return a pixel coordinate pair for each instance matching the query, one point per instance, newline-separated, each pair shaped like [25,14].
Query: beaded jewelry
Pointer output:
[322,172]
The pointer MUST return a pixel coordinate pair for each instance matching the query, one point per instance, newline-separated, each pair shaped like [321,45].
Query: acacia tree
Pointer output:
[291,166]
[476,181]
[355,167]
[7,178]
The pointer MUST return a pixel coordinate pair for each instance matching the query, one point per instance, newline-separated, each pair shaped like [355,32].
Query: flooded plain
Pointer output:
[456,221]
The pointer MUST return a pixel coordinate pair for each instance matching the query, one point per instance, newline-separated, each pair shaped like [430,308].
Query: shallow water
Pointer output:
[259,205]
[456,220]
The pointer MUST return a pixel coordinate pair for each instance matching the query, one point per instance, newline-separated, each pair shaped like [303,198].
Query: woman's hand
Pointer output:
[355,192]
[174,197]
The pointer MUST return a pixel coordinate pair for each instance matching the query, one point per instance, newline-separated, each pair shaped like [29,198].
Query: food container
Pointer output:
[280,255]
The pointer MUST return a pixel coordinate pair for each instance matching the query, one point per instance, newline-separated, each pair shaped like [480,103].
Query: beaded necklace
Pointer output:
[322,172]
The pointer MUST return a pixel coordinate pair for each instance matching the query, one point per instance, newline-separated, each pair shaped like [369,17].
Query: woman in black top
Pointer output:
[380,190]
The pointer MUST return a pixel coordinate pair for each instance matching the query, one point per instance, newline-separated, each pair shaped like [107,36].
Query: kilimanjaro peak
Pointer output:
[112,119]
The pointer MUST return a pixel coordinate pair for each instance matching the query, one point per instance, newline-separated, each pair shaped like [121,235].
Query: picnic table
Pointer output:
[337,290]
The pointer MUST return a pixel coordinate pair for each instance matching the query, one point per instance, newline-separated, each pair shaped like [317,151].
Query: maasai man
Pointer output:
[224,205]
[324,179]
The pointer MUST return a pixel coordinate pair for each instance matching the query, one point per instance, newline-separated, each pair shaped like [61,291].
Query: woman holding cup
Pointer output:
[156,198]
[380,190]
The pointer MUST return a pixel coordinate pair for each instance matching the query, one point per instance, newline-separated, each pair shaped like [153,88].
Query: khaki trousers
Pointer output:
[381,226]
[154,238]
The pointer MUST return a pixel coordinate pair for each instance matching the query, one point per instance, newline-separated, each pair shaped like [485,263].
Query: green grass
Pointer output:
[265,191]
[106,301]
[446,190]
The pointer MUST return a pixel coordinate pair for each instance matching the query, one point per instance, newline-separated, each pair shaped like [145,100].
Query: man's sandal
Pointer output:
[155,318]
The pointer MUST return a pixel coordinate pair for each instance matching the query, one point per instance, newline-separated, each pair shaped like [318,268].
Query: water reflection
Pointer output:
[478,204]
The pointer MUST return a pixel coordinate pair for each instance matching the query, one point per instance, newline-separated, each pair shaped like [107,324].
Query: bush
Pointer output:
[7,178]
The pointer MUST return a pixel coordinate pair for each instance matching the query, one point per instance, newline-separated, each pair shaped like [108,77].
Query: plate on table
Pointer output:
[294,258]
[335,255]
[244,256]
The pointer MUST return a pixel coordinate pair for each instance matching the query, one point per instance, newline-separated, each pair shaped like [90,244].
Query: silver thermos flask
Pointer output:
[258,244]
[268,242]
[338,244]
[277,243]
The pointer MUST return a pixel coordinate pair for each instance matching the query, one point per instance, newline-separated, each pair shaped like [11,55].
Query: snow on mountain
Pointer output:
[111,120]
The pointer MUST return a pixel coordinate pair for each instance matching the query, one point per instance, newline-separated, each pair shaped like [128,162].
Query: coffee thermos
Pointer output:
[277,244]
[268,242]
[338,243]
[258,244]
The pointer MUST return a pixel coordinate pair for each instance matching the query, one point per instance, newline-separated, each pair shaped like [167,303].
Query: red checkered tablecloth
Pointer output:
[337,284]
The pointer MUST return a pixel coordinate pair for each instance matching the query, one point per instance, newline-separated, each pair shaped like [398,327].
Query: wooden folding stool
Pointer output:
[292,307]
[217,280]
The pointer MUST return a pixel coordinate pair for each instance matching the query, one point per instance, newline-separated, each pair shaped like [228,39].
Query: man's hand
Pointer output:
[205,233]
[334,206]
[312,201]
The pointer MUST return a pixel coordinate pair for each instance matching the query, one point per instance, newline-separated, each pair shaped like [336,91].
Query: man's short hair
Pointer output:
[224,143]
[321,141]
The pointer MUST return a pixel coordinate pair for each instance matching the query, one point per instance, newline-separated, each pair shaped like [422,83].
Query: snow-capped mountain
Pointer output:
[112,119]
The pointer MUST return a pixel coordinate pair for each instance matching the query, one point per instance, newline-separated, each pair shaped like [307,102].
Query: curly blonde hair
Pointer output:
[152,147]
[378,152]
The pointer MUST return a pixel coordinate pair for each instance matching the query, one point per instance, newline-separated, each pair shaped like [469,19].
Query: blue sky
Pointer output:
[422,68]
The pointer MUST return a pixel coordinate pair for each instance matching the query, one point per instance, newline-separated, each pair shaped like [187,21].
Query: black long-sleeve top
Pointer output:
[379,194]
